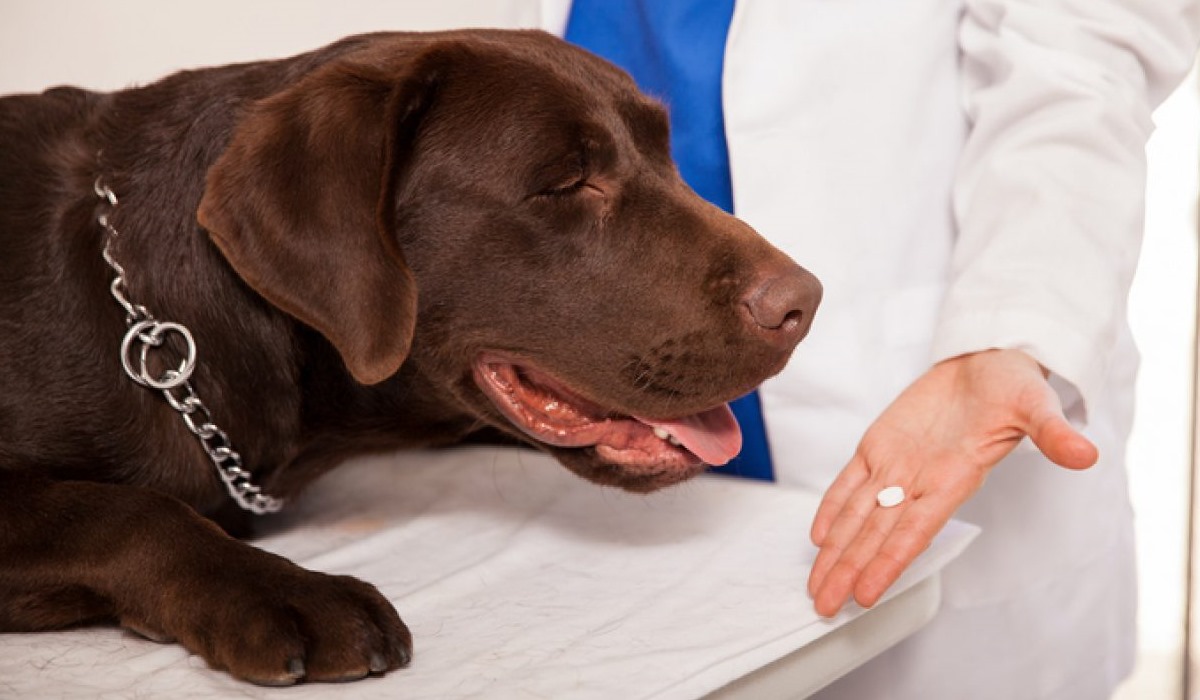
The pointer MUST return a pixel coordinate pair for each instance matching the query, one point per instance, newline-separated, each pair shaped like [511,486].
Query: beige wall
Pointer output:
[111,44]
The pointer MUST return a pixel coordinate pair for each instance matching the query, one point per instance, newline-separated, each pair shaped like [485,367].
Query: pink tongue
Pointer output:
[713,436]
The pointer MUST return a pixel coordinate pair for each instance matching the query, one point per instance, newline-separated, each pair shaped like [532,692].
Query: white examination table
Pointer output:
[520,580]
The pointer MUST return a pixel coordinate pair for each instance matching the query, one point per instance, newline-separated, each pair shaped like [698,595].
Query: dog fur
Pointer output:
[399,240]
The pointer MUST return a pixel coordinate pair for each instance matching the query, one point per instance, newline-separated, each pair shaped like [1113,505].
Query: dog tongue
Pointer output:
[713,435]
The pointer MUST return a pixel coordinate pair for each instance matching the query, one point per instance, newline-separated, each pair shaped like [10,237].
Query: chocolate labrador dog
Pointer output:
[217,287]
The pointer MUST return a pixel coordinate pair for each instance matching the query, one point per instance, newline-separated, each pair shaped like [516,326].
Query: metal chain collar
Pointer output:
[145,332]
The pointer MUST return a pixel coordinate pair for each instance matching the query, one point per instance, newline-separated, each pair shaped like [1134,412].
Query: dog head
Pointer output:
[500,210]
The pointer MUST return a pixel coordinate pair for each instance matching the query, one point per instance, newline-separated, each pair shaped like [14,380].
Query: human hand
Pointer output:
[937,440]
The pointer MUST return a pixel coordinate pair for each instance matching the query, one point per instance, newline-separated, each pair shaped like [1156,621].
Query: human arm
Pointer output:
[1048,206]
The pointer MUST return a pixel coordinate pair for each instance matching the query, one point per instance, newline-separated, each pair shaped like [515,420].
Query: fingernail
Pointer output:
[295,668]
[378,663]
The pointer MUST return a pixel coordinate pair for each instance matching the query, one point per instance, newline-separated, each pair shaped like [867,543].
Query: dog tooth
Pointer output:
[661,433]
[675,441]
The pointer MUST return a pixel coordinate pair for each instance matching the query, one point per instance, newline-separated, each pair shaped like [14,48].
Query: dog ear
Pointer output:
[301,204]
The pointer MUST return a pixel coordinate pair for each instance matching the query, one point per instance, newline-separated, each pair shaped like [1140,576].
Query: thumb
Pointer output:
[1059,441]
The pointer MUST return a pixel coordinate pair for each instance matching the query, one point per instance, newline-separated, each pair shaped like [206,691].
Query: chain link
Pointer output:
[148,333]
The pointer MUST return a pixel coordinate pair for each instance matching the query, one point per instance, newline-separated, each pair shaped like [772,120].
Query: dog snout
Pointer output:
[781,306]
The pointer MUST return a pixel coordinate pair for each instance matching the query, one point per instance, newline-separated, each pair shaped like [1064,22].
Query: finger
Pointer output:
[1059,441]
[834,583]
[911,536]
[852,477]
[842,533]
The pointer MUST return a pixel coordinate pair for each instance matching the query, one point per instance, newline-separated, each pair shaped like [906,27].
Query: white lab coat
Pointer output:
[962,176]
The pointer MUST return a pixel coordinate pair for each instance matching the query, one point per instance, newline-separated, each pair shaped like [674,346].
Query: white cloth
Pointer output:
[518,580]
[963,176]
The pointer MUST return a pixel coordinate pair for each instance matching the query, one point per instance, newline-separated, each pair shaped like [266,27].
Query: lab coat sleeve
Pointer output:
[1049,194]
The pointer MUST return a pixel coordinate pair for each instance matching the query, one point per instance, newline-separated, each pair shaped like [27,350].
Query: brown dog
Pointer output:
[399,240]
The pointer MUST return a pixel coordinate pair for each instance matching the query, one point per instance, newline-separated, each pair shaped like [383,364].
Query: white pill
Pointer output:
[891,496]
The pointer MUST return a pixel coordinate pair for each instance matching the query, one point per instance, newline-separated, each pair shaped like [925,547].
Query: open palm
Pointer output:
[938,440]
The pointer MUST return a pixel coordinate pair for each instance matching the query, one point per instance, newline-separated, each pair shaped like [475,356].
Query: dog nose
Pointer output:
[782,305]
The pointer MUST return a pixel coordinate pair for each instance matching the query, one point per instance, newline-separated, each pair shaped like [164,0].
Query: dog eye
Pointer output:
[565,190]
[564,179]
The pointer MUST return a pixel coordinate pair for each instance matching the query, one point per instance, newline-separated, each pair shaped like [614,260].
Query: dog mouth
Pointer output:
[548,411]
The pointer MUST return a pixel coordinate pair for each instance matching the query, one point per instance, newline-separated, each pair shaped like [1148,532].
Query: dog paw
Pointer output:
[299,626]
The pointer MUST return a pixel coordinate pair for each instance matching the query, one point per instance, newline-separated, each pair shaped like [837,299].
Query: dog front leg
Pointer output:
[74,553]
